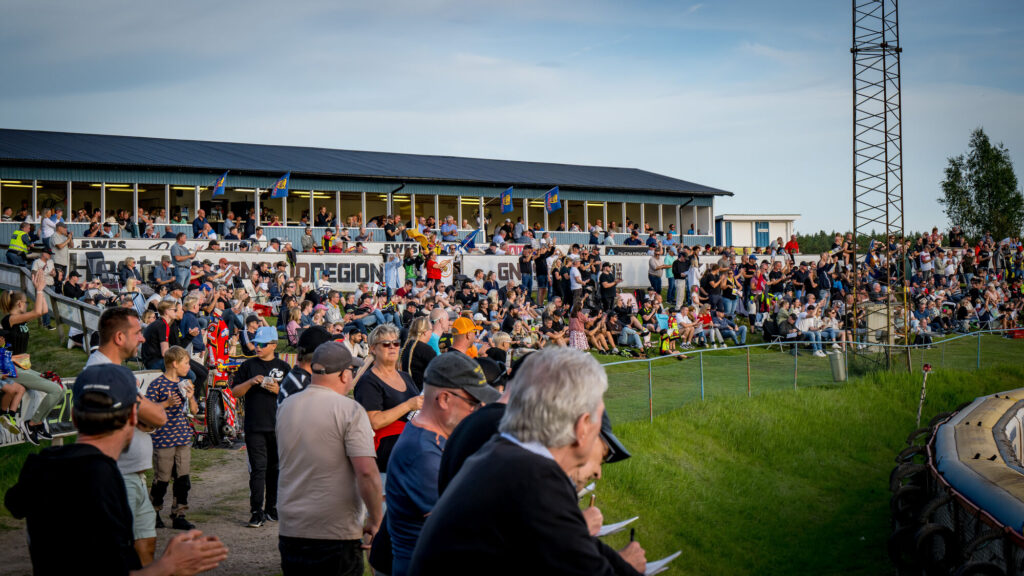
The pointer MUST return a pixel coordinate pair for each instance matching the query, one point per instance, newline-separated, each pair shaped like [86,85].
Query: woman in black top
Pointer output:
[416,353]
[386,393]
[15,321]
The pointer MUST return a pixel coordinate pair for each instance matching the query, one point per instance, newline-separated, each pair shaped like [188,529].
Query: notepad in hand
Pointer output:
[617,527]
[659,566]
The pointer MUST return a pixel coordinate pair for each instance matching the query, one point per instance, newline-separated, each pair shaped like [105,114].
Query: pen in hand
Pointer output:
[632,534]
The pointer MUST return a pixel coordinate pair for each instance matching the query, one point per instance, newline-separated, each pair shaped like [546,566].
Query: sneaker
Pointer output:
[723,345]
[270,515]
[51,327]
[835,346]
[819,353]
[180,523]
[43,431]
[10,423]
[31,433]
[256,520]
[71,343]
[159,521]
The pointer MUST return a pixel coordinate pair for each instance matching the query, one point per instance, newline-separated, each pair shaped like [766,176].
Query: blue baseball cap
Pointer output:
[113,381]
[265,335]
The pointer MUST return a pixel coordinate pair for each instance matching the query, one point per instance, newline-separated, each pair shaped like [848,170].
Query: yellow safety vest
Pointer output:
[18,242]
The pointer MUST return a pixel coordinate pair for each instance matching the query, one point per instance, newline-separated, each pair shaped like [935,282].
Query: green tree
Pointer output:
[980,192]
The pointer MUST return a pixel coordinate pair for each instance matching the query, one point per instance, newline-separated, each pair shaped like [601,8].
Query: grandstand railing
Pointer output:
[643,388]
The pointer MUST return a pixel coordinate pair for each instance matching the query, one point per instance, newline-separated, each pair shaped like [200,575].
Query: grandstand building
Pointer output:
[41,170]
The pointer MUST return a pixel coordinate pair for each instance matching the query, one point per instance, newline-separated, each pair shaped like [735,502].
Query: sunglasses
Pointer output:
[389,343]
[473,403]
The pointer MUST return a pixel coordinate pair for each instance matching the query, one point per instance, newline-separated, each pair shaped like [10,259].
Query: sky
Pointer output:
[747,96]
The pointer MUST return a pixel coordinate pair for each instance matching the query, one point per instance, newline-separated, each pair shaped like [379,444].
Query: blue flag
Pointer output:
[506,201]
[280,189]
[469,242]
[551,202]
[218,187]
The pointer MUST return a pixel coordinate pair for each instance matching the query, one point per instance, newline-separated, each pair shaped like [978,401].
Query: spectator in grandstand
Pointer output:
[388,394]
[172,442]
[104,411]
[199,224]
[728,328]
[454,386]
[181,257]
[17,246]
[528,518]
[330,489]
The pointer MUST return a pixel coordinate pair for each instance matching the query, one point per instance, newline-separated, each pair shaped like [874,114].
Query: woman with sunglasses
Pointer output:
[388,394]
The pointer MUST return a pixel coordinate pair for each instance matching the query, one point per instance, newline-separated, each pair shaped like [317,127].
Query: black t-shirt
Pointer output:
[466,298]
[101,524]
[260,403]
[772,277]
[623,313]
[748,272]
[983,258]
[540,264]
[415,358]
[376,395]
[525,265]
[17,335]
[607,292]
[389,232]
[509,323]
[155,333]
[468,437]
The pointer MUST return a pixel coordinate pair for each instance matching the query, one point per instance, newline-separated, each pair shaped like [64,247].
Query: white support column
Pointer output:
[256,205]
[458,212]
[565,214]
[284,211]
[695,220]
[622,224]
[711,218]
[643,219]
[526,212]
[437,211]
[362,217]
[312,209]
[604,215]
[196,198]
[67,201]
[167,205]
[35,201]
[586,216]
[337,207]
[1,193]
[103,200]
[547,227]
[481,221]
[412,210]
[389,203]
[135,204]
[661,221]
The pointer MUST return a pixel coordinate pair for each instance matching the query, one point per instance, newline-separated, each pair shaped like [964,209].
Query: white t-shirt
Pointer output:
[139,456]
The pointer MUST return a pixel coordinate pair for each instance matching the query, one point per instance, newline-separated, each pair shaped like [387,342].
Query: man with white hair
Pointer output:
[527,520]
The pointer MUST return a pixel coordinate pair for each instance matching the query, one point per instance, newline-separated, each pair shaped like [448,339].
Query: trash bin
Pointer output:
[838,366]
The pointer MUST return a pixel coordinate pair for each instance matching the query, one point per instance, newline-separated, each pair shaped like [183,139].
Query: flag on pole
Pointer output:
[551,202]
[469,242]
[506,201]
[280,189]
[218,187]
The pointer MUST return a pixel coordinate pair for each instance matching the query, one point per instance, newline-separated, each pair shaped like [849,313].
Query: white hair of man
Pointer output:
[550,391]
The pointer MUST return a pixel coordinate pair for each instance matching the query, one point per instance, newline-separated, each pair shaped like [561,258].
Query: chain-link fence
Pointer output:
[641,389]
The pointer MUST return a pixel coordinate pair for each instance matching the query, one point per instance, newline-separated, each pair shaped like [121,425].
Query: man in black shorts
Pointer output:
[105,411]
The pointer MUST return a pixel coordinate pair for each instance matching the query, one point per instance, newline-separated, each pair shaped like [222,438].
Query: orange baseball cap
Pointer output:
[463,325]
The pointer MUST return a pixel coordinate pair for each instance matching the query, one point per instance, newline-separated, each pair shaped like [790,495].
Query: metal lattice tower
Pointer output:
[878,154]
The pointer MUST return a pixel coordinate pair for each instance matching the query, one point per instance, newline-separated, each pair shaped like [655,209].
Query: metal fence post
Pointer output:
[650,389]
[795,356]
[701,353]
[748,372]
[979,351]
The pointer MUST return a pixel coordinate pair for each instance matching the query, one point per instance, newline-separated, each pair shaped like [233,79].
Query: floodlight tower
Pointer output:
[878,158]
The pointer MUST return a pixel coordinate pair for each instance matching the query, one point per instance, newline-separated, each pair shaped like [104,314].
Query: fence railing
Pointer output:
[643,388]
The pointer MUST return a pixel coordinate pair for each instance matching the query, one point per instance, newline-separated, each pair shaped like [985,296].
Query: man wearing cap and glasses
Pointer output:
[528,518]
[258,379]
[105,412]
[329,477]
[454,387]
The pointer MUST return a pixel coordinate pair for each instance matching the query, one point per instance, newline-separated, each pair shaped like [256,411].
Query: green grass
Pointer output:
[789,482]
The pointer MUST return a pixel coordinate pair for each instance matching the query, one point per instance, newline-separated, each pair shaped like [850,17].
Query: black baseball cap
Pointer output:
[616,451]
[313,337]
[113,381]
[494,371]
[453,369]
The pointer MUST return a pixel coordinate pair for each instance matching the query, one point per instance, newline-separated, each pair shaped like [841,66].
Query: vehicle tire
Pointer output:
[933,506]
[937,549]
[215,418]
[980,541]
[979,569]
[919,437]
[900,546]
[939,418]
[907,474]
[906,503]
[913,455]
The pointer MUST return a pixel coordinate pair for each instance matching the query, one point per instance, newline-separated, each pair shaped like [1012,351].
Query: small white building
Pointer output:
[753,230]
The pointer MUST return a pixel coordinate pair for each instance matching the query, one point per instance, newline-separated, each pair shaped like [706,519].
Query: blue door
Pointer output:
[728,233]
[761,229]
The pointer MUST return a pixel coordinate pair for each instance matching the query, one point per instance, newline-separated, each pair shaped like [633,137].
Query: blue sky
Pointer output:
[749,96]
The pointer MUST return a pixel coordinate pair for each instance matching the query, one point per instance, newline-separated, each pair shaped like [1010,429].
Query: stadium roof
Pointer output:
[66,148]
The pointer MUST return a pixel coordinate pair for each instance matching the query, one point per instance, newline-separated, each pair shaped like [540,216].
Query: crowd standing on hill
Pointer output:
[402,399]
